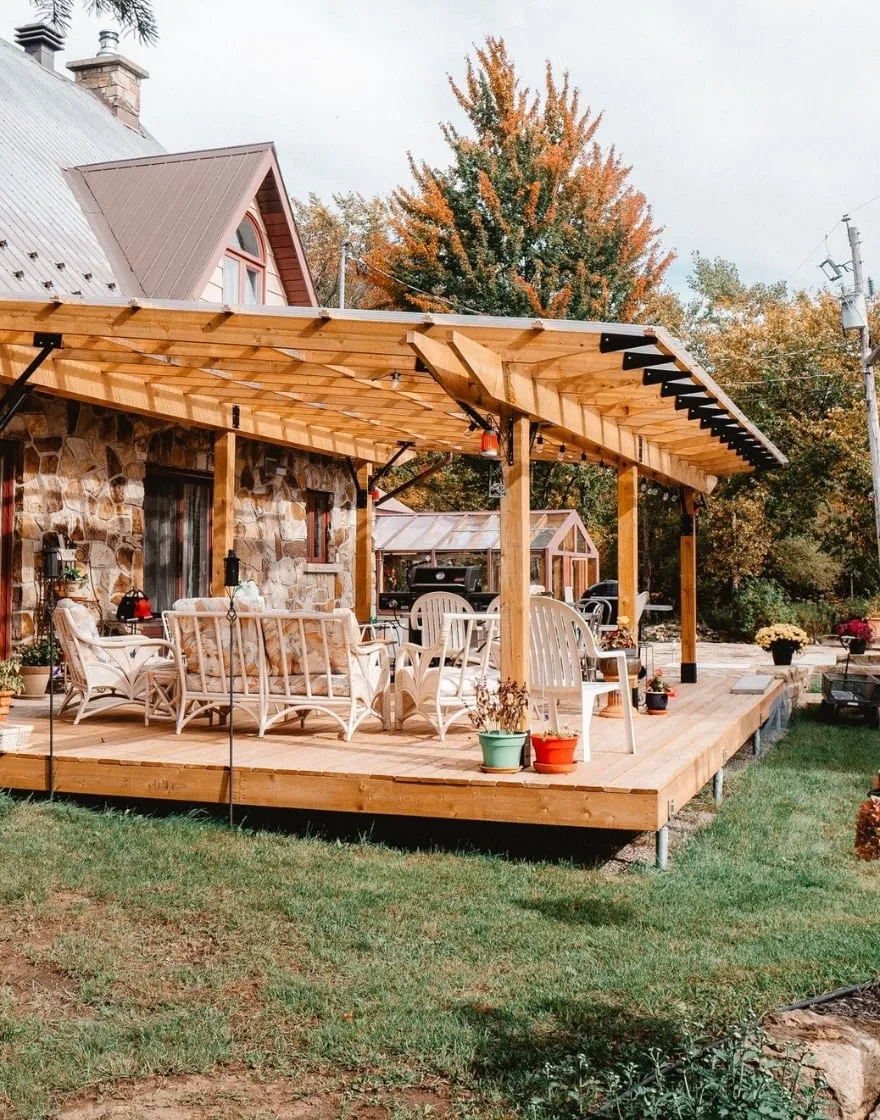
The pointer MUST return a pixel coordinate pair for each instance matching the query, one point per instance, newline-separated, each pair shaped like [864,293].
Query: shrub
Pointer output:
[735,1079]
[756,603]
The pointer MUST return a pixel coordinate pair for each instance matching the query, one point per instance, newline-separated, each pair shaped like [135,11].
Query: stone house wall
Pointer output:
[81,473]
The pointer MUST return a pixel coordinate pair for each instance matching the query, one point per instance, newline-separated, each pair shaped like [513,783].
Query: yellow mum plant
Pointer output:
[781,632]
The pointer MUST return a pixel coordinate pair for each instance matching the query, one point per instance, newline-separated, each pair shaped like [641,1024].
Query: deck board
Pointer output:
[405,772]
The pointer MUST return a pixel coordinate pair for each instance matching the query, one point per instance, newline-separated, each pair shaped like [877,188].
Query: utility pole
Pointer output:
[343,261]
[866,360]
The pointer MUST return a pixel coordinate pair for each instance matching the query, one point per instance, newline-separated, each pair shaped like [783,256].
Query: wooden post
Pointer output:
[628,543]
[223,520]
[514,546]
[688,575]
[363,546]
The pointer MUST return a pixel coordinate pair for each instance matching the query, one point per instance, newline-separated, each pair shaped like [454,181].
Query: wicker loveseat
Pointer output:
[285,664]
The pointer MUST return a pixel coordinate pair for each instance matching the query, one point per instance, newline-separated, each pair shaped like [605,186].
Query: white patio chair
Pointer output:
[439,682]
[559,639]
[429,611]
[104,673]
[316,661]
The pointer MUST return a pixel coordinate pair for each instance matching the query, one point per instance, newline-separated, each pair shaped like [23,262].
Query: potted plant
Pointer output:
[554,747]
[855,635]
[783,640]
[10,684]
[498,717]
[35,659]
[657,693]
[620,638]
[70,580]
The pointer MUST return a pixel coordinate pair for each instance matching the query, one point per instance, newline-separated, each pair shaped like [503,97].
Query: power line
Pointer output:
[456,305]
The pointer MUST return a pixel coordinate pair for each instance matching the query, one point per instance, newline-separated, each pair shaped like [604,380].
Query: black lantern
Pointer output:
[51,563]
[231,571]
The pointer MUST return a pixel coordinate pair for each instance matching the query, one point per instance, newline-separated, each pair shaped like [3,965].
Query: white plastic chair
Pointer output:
[429,611]
[559,639]
[439,682]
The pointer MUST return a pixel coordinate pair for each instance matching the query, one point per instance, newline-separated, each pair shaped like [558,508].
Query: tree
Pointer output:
[135,16]
[531,218]
[351,217]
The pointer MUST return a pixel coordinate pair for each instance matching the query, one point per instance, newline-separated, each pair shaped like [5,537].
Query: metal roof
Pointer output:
[166,219]
[475,531]
[48,123]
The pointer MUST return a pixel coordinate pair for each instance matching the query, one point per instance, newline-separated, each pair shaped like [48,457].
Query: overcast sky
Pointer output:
[750,126]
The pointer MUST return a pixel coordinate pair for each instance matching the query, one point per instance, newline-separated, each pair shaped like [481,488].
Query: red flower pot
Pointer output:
[554,754]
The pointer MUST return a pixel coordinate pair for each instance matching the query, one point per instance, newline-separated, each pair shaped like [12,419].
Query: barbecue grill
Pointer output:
[462,579]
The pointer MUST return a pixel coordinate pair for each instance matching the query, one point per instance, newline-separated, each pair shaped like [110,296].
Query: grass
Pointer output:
[133,946]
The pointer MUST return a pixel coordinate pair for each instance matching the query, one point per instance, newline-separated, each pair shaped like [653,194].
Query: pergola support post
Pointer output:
[688,576]
[365,515]
[627,542]
[223,518]
[514,548]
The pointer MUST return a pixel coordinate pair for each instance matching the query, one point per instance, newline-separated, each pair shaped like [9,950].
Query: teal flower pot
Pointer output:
[502,752]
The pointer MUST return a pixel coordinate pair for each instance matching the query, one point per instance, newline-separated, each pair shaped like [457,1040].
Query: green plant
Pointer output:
[72,574]
[501,710]
[735,1079]
[621,638]
[10,677]
[658,684]
[38,653]
[757,603]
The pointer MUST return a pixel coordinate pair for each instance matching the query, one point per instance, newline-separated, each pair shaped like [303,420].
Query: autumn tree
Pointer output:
[324,226]
[532,217]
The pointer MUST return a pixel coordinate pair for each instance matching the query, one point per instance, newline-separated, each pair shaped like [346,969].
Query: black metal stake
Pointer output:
[51,571]
[231,579]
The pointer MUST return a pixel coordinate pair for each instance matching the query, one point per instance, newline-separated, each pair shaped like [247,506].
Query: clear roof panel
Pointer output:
[462,532]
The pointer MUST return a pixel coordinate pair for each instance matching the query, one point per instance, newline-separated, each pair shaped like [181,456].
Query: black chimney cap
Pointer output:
[40,41]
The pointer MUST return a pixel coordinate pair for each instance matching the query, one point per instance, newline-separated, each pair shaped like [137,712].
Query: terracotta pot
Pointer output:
[554,754]
[35,678]
[5,701]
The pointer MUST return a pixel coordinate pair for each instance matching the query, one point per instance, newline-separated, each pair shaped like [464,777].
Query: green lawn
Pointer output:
[133,946]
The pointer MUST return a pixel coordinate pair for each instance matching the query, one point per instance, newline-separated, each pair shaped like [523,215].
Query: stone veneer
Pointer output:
[81,473]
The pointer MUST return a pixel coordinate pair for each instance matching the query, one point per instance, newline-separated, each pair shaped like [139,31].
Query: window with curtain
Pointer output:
[319,504]
[244,265]
[177,536]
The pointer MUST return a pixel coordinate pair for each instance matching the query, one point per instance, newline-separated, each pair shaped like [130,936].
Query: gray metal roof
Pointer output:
[47,123]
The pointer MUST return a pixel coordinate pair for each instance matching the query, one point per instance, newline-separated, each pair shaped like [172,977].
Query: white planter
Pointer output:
[35,678]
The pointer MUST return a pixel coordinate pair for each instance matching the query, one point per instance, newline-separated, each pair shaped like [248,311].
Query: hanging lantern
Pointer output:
[489,444]
[375,494]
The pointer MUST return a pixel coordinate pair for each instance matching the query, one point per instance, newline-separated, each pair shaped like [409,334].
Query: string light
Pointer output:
[395,379]
[560,454]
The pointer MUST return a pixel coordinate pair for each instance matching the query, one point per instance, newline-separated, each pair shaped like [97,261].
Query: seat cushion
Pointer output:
[212,685]
[296,640]
[82,621]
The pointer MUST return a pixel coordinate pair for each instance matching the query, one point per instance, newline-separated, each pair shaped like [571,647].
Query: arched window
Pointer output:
[244,265]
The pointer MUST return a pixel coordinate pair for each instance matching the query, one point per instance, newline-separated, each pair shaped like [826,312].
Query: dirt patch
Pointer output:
[864,1004]
[230,1095]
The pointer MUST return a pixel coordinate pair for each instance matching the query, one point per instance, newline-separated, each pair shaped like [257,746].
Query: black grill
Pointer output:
[463,580]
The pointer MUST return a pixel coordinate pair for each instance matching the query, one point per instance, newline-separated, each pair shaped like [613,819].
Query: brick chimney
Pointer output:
[113,78]
[40,41]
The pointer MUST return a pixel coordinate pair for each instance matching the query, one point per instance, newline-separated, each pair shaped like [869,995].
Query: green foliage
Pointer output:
[38,653]
[363,223]
[755,603]
[135,16]
[734,1079]
[10,677]
[804,567]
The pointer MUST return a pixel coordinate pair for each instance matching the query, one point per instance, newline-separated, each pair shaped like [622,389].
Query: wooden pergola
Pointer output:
[370,386]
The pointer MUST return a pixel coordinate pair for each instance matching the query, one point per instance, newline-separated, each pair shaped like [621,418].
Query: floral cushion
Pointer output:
[297,641]
[82,621]
[204,641]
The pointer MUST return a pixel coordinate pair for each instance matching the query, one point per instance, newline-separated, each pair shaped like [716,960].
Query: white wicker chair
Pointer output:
[104,673]
[439,681]
[559,640]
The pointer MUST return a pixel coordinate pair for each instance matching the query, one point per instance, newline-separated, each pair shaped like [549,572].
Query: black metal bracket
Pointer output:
[19,390]
[634,360]
[420,477]
[688,523]
[609,342]
[405,445]
[361,494]
[474,416]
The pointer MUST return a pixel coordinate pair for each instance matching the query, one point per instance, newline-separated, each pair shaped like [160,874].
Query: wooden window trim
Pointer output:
[245,260]
[319,508]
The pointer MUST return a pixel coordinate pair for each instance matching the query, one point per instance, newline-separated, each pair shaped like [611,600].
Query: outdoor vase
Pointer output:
[782,652]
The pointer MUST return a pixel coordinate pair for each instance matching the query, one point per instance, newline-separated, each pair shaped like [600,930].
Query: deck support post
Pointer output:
[662,847]
[627,542]
[718,786]
[365,516]
[224,507]
[756,743]
[688,577]
[514,549]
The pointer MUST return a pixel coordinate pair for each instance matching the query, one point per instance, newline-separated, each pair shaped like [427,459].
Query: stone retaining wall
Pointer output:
[81,473]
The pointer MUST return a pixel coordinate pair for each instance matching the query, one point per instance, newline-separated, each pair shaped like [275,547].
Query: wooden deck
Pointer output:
[408,773]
